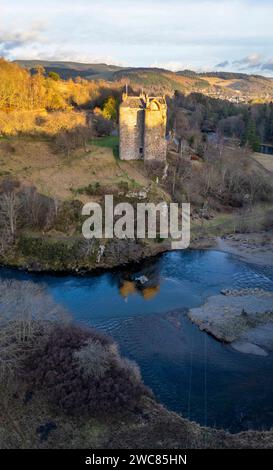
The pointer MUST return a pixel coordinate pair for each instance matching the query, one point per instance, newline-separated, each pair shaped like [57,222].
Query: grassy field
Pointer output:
[265,160]
[106,142]
[35,162]
[254,219]
[109,142]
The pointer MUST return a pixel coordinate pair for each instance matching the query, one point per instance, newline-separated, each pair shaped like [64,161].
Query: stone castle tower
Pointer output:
[142,128]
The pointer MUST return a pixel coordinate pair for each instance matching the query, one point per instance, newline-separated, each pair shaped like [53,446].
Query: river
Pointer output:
[266,149]
[188,371]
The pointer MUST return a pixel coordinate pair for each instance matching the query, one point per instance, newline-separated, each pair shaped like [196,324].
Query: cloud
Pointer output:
[268,65]
[177,33]
[222,64]
[252,61]
[172,65]
[10,41]
[49,52]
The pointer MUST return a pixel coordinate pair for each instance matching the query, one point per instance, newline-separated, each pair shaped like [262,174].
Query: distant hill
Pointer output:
[68,70]
[226,85]
[160,80]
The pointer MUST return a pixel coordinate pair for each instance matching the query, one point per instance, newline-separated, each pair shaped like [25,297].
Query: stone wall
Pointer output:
[155,144]
[131,130]
[142,128]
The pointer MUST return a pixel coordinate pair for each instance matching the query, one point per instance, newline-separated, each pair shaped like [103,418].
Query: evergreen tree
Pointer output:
[269,125]
[251,137]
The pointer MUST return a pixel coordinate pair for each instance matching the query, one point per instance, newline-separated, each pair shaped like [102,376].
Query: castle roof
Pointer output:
[133,102]
[160,99]
[141,102]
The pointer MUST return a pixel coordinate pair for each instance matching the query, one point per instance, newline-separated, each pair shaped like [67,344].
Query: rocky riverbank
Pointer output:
[62,254]
[256,248]
[241,318]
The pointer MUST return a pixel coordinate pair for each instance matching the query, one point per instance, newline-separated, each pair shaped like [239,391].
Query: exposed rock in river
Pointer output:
[248,348]
[244,321]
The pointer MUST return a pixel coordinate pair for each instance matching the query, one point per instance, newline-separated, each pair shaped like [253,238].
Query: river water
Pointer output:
[188,371]
[267,149]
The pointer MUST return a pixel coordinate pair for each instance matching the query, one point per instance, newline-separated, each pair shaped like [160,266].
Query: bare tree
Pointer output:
[69,140]
[25,309]
[87,247]
[9,211]
[38,210]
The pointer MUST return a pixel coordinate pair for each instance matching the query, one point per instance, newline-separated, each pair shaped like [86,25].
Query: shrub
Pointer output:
[81,372]
[68,216]
[102,126]
[110,109]
[95,358]
[27,314]
[123,186]
[91,189]
[37,210]
[72,139]
[17,122]
[54,76]
[40,122]
[54,252]
[154,168]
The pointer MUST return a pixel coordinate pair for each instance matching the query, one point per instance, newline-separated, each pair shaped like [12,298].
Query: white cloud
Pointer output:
[176,34]
[268,65]
[251,61]
[12,40]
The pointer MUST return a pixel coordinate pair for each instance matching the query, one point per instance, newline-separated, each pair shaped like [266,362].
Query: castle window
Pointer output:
[141,150]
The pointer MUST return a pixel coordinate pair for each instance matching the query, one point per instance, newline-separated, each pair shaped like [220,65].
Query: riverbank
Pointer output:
[248,235]
[254,247]
[241,318]
[24,424]
[25,418]
[60,254]
[67,255]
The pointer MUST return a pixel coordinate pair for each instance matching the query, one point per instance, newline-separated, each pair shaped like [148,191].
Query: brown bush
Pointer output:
[102,126]
[68,216]
[59,121]
[68,140]
[58,367]
[226,178]
[154,169]
[36,210]
[39,122]
[17,122]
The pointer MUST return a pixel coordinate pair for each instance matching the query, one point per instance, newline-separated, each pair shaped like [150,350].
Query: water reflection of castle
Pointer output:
[131,287]
[145,282]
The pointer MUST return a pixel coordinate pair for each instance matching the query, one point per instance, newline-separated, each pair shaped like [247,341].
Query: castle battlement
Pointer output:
[142,127]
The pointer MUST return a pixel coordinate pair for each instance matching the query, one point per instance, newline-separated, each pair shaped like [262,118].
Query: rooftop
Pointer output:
[140,102]
[133,102]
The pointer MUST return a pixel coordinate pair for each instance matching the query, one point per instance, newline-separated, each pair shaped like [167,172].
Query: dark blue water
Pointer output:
[188,371]
[267,149]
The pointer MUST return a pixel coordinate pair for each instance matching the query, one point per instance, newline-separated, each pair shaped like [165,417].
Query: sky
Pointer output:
[202,35]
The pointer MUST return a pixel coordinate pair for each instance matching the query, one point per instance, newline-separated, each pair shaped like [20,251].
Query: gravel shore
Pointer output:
[254,248]
[244,319]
